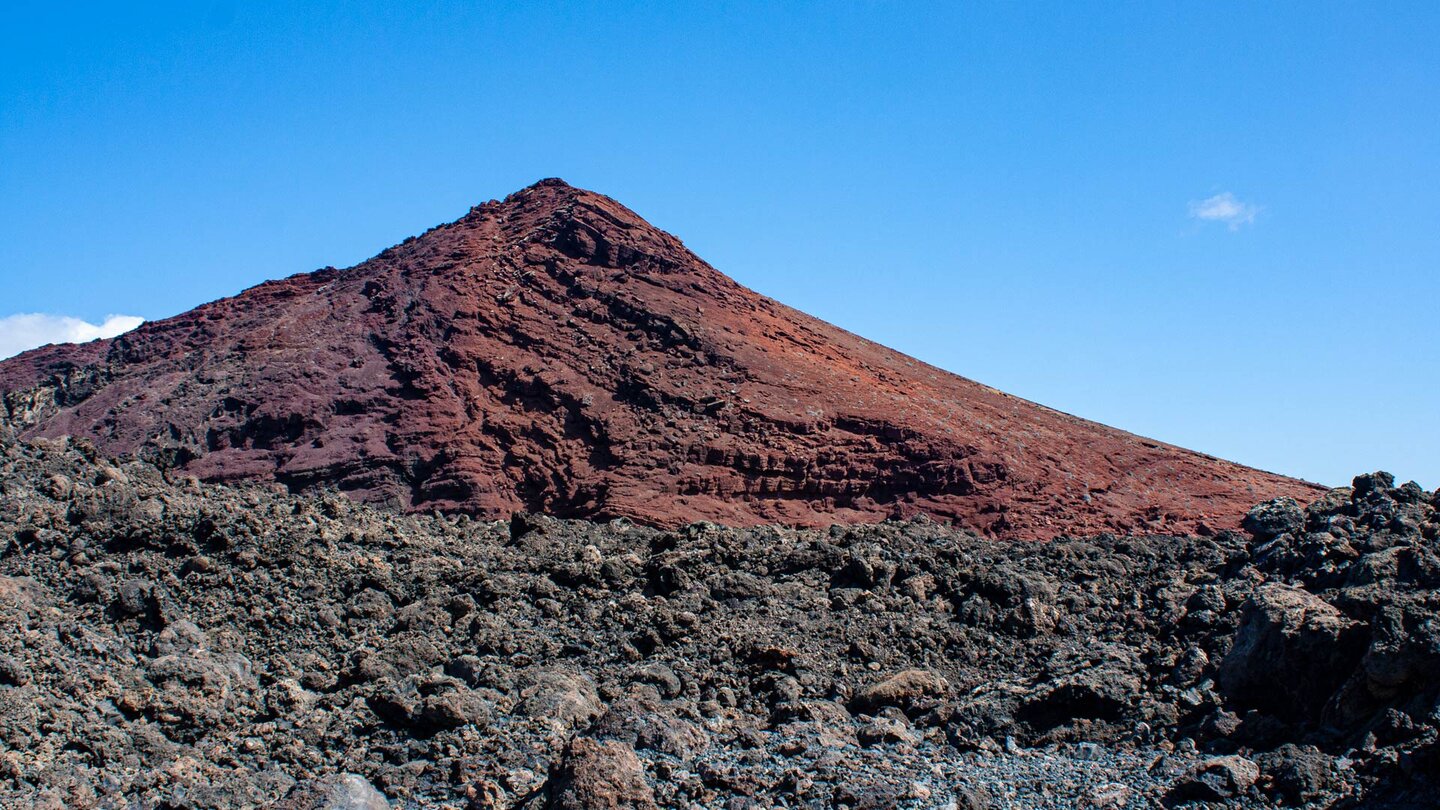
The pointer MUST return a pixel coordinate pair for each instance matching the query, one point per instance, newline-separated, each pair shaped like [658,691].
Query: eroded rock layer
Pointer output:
[554,352]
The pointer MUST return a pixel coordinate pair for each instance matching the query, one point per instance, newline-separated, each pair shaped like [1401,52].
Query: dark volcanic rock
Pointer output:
[340,792]
[441,661]
[1221,778]
[906,690]
[553,352]
[1274,518]
[1292,652]
[598,775]
[1299,774]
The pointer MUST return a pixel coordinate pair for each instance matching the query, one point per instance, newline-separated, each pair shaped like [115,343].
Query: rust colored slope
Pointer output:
[553,351]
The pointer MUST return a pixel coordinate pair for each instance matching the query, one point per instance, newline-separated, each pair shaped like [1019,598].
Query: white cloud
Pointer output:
[1226,208]
[27,331]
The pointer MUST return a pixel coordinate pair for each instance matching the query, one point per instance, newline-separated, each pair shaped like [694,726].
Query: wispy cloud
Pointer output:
[27,331]
[1224,207]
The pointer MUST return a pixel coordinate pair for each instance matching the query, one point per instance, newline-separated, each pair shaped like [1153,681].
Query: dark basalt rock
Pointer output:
[1272,518]
[598,775]
[1292,652]
[444,661]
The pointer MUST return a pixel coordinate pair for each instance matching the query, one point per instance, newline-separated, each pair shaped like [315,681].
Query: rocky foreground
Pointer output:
[165,643]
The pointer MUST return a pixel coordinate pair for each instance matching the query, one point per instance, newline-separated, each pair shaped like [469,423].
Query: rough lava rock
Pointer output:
[598,775]
[341,792]
[1291,654]
[1220,778]
[1273,518]
[170,643]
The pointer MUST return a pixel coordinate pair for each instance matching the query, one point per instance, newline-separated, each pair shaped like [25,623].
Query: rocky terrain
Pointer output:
[553,352]
[167,643]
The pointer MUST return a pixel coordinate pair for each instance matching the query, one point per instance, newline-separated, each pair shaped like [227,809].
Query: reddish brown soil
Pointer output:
[554,352]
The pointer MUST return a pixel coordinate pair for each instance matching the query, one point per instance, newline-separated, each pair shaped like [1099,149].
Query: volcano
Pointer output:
[553,352]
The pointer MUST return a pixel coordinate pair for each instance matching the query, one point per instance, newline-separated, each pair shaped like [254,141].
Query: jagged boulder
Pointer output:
[598,775]
[1291,653]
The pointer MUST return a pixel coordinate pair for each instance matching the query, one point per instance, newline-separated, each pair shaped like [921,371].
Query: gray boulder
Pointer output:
[1272,518]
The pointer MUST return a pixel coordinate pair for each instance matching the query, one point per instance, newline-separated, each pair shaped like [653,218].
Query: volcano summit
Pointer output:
[553,352]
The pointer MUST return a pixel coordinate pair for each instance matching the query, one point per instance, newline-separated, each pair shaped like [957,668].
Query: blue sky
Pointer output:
[1210,223]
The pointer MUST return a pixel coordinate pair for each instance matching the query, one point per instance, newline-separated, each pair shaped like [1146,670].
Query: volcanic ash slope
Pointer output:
[553,352]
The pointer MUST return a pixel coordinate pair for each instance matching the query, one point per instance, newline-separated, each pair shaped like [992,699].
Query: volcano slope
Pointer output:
[553,352]
[166,643]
